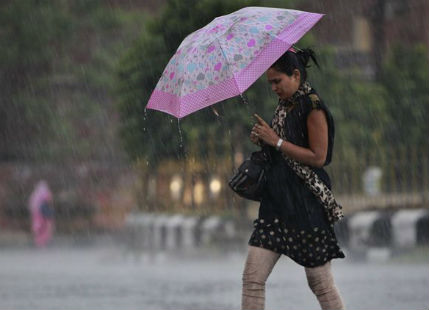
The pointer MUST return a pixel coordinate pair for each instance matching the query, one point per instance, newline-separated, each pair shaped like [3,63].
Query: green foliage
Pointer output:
[154,136]
[358,106]
[30,36]
[29,27]
[59,61]
[56,71]
[177,19]
[405,78]
[144,130]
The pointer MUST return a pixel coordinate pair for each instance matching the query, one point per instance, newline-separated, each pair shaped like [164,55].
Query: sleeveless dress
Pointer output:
[291,220]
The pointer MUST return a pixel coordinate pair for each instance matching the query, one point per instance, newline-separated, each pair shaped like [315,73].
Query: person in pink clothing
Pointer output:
[42,214]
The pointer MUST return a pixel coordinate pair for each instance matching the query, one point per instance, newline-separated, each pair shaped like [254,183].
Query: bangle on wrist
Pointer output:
[279,144]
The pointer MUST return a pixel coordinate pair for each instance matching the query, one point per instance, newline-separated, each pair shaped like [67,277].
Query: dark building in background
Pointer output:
[362,31]
[148,5]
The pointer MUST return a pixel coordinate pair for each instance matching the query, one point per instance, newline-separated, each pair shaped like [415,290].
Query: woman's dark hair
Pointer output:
[297,59]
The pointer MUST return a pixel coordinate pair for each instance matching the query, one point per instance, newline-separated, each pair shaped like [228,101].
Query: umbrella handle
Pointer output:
[244,98]
[215,112]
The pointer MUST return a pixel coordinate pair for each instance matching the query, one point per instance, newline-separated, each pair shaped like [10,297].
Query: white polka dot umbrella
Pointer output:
[222,59]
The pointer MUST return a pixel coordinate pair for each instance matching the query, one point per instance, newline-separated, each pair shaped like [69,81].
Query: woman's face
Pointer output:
[282,84]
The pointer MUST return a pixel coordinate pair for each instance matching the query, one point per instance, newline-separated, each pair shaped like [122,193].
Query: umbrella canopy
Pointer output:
[222,59]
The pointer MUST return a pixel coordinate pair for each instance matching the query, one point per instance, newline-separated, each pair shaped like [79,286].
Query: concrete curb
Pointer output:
[367,234]
[399,229]
[158,232]
[379,235]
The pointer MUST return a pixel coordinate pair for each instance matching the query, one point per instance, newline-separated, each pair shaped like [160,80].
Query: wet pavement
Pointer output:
[105,277]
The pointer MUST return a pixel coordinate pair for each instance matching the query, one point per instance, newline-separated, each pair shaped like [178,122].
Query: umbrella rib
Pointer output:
[195,79]
[229,65]
[180,98]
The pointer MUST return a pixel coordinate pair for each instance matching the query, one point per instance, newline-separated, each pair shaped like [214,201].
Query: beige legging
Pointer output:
[259,265]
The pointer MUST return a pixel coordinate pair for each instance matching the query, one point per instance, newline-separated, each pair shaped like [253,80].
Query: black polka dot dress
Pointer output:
[291,219]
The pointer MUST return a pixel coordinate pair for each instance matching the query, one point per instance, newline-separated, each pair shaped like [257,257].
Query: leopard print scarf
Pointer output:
[318,188]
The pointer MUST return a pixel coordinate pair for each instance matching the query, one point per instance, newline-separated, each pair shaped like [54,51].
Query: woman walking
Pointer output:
[295,215]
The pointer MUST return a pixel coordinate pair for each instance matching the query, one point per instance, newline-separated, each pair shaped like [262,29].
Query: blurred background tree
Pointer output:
[57,115]
[74,74]
[33,33]
[361,105]
[357,104]
[56,71]
[405,78]
[154,136]
[59,69]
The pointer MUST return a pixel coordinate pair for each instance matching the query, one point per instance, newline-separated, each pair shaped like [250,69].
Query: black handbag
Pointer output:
[250,178]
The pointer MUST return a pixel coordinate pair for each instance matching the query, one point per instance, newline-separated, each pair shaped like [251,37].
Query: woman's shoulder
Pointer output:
[308,103]
[312,101]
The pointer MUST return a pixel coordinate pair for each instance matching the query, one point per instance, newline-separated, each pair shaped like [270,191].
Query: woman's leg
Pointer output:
[258,267]
[321,282]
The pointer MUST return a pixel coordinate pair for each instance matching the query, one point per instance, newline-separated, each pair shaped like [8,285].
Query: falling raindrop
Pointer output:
[144,119]
[180,135]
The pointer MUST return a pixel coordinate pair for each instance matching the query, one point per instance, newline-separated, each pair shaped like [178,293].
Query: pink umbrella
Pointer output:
[222,59]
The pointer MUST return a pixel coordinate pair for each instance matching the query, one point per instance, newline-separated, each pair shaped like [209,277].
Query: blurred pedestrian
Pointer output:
[297,209]
[42,214]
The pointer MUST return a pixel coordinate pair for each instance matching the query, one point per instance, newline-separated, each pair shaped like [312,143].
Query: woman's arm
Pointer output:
[317,127]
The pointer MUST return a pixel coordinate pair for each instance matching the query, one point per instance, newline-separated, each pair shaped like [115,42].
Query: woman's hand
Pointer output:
[264,132]
[254,138]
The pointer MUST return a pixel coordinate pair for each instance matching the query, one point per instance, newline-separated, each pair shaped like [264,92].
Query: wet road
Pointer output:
[105,278]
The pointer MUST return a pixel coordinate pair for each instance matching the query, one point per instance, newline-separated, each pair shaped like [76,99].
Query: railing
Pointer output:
[396,179]
[402,171]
